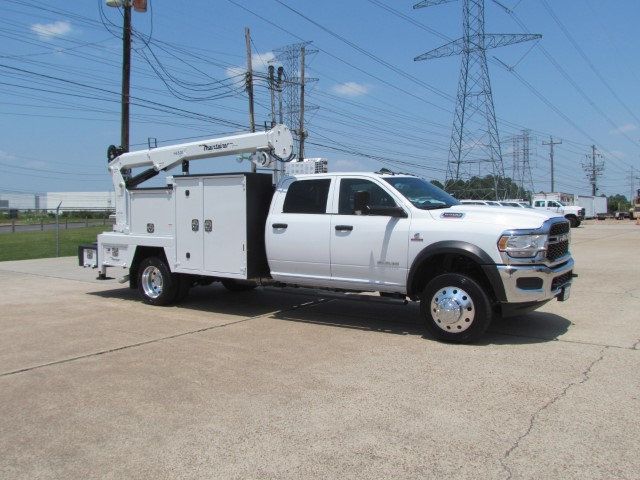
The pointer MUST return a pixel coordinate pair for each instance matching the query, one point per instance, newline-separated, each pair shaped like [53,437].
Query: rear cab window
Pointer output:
[307,196]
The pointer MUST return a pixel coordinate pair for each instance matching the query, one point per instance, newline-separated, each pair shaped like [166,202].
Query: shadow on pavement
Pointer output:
[534,327]
[375,316]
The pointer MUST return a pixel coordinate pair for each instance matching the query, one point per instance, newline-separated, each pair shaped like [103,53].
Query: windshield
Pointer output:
[422,194]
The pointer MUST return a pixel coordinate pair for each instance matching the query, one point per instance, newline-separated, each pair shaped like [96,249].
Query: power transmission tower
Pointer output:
[551,144]
[290,58]
[594,168]
[474,99]
[632,185]
[521,168]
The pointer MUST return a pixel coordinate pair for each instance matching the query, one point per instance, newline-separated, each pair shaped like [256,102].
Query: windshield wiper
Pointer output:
[434,207]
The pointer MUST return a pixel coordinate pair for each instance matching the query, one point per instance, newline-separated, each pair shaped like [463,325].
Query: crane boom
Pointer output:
[276,143]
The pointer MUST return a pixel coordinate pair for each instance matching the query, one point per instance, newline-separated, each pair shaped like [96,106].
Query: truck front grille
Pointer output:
[559,228]
[561,280]
[557,250]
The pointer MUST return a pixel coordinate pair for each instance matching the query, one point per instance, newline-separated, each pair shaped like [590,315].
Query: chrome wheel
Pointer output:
[152,281]
[452,309]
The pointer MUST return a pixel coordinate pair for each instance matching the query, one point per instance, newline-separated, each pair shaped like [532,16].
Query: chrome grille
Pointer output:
[557,250]
[559,228]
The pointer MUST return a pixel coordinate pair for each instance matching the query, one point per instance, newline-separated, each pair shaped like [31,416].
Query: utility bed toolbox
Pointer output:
[220,221]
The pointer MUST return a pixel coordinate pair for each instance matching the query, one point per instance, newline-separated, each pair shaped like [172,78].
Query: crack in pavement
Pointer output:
[636,345]
[585,375]
[169,337]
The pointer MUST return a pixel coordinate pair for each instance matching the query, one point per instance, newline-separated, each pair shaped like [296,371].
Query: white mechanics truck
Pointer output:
[385,232]
[574,214]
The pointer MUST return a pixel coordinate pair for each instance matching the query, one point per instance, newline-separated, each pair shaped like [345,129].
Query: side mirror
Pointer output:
[361,202]
[396,212]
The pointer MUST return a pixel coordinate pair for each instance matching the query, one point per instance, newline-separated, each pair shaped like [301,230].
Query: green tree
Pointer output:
[617,203]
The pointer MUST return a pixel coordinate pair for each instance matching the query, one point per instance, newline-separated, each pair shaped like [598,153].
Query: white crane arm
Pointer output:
[276,142]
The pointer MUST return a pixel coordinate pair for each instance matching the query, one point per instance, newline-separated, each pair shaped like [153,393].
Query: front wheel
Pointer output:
[574,222]
[455,308]
[156,284]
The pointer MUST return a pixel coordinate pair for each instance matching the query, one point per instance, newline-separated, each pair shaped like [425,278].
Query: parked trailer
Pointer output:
[593,206]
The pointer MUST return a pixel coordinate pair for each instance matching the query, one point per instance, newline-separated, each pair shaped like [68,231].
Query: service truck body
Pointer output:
[359,232]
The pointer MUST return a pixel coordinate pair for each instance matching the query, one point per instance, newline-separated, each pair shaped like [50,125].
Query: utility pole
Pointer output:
[272,92]
[252,122]
[551,144]
[302,133]
[280,113]
[126,76]
[141,7]
[593,169]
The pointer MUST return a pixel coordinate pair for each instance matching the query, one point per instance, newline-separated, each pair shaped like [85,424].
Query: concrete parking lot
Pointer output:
[275,383]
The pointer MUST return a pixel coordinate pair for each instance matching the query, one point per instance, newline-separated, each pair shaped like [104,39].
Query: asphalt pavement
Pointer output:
[287,384]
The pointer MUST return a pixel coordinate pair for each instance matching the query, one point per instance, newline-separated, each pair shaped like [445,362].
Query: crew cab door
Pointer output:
[297,232]
[368,250]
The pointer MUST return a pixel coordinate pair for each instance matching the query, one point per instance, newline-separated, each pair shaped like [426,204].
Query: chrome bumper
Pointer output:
[511,273]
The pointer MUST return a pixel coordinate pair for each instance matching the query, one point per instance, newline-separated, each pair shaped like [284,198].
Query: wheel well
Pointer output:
[570,215]
[139,256]
[449,263]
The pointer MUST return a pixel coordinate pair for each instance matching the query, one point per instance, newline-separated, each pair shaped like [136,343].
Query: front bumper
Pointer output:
[536,283]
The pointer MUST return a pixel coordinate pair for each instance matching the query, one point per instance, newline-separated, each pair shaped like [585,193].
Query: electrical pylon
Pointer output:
[479,145]
[289,57]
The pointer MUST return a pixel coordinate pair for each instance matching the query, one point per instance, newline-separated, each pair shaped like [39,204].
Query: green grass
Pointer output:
[26,245]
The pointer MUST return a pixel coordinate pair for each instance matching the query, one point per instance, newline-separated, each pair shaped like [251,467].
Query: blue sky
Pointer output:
[60,74]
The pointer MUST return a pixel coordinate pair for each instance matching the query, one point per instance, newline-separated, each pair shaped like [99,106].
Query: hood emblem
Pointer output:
[452,215]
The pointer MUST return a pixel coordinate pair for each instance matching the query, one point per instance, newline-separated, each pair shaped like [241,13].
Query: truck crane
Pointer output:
[375,232]
[267,149]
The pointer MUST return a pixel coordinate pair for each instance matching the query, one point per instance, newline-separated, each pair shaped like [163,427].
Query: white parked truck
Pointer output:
[395,234]
[551,202]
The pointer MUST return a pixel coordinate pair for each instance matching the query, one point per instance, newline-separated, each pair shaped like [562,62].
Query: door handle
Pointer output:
[344,228]
[279,225]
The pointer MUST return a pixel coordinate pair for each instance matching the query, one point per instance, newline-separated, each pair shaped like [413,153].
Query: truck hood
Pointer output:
[506,217]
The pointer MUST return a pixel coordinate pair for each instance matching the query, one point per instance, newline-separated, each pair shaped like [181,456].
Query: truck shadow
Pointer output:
[307,306]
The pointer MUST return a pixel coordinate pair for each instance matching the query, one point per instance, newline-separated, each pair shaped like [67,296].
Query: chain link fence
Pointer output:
[26,234]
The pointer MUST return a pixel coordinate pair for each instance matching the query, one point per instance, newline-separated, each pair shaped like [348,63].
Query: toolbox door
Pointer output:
[225,226]
[189,228]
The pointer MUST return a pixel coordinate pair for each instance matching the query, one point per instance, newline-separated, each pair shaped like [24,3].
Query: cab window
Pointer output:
[307,196]
[553,204]
[378,197]
[539,203]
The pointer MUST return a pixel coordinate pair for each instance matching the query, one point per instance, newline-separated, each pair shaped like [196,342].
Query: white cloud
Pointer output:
[51,30]
[351,89]
[626,128]
[344,165]
[618,154]
[259,62]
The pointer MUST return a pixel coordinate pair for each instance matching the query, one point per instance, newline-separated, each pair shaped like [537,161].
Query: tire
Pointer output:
[156,284]
[455,308]
[237,286]
[573,222]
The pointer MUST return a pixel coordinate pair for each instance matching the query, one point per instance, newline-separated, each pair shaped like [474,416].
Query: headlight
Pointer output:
[522,246]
